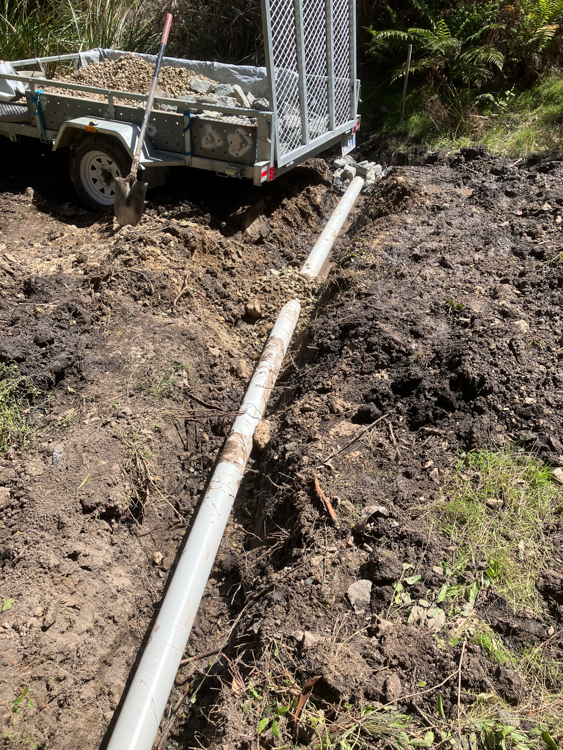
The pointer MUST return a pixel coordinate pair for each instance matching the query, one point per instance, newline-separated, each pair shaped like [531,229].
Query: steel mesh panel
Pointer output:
[300,63]
[342,82]
[284,52]
[316,66]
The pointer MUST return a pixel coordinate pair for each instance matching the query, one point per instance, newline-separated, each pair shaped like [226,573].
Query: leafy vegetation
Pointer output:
[56,27]
[479,68]
[15,395]
[496,510]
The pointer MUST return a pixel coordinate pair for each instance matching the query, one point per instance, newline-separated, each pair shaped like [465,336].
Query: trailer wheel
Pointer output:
[95,162]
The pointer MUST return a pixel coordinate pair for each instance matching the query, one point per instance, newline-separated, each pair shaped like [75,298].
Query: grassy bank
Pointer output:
[514,123]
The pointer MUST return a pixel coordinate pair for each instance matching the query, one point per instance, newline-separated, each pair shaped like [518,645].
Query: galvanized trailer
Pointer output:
[309,84]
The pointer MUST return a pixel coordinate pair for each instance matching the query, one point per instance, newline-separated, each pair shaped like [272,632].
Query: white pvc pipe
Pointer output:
[146,700]
[320,252]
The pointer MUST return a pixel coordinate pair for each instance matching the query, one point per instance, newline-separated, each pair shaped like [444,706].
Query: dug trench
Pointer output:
[343,590]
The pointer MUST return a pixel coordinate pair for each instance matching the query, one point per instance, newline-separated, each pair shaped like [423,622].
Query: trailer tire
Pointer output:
[95,161]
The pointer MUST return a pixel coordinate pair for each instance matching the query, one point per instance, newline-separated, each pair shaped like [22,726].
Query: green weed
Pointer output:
[15,396]
[452,306]
[496,507]
[24,698]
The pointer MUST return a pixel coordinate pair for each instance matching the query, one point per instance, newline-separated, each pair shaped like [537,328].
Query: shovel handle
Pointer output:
[150,99]
[167,25]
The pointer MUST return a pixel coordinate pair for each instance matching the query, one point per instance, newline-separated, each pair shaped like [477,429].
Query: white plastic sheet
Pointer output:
[10,90]
[248,77]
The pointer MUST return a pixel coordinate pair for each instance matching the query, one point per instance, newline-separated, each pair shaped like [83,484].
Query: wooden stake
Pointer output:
[409,53]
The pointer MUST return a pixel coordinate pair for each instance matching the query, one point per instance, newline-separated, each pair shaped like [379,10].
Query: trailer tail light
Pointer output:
[271,173]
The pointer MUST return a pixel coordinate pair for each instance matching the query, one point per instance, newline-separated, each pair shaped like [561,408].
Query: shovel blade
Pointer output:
[129,201]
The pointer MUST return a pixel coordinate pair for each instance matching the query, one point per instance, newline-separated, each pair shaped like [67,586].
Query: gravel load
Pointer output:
[133,74]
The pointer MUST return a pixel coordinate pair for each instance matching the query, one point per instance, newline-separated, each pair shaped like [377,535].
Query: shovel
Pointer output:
[129,193]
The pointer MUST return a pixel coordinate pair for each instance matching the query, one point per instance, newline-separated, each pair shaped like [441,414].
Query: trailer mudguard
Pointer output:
[126,133]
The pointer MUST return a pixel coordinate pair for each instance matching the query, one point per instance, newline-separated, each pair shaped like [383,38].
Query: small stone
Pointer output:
[337,405]
[436,619]
[522,326]
[240,96]
[375,173]
[240,368]
[223,89]
[254,309]
[307,407]
[57,454]
[263,434]
[4,497]
[359,595]
[364,168]
[227,101]
[125,411]
[392,688]
[200,86]
[310,640]
[349,172]
[558,475]
[258,230]
[261,104]
[340,163]
[157,557]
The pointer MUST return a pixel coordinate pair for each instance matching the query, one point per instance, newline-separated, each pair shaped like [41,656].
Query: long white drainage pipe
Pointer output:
[146,700]
[140,715]
[320,252]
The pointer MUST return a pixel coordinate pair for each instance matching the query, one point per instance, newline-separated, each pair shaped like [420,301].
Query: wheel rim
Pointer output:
[98,172]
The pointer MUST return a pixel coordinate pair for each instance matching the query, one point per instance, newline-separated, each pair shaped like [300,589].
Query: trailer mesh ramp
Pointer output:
[311,69]
[14,113]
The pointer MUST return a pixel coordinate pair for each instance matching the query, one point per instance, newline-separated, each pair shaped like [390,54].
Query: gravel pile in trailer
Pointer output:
[133,73]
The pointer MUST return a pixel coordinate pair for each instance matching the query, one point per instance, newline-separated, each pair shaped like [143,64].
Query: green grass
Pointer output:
[55,27]
[541,702]
[15,394]
[497,506]
[512,123]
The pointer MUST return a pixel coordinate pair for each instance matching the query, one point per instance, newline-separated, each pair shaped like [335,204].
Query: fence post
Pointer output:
[409,53]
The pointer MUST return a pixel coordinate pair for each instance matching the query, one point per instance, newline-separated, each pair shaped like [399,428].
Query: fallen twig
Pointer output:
[459,674]
[324,500]
[202,403]
[182,287]
[359,435]
[304,697]
[204,655]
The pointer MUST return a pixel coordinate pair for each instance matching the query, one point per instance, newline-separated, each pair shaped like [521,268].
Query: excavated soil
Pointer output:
[437,331]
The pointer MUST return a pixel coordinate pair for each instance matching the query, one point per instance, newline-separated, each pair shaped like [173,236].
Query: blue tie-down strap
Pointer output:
[39,113]
[188,114]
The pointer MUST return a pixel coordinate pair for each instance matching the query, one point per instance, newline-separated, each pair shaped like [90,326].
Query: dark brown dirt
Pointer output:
[441,319]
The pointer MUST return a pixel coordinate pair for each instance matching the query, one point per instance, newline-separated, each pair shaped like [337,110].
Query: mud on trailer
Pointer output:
[303,101]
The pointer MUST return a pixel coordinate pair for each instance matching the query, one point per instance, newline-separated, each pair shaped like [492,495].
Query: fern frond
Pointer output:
[390,34]
[483,56]
[484,30]
[442,31]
